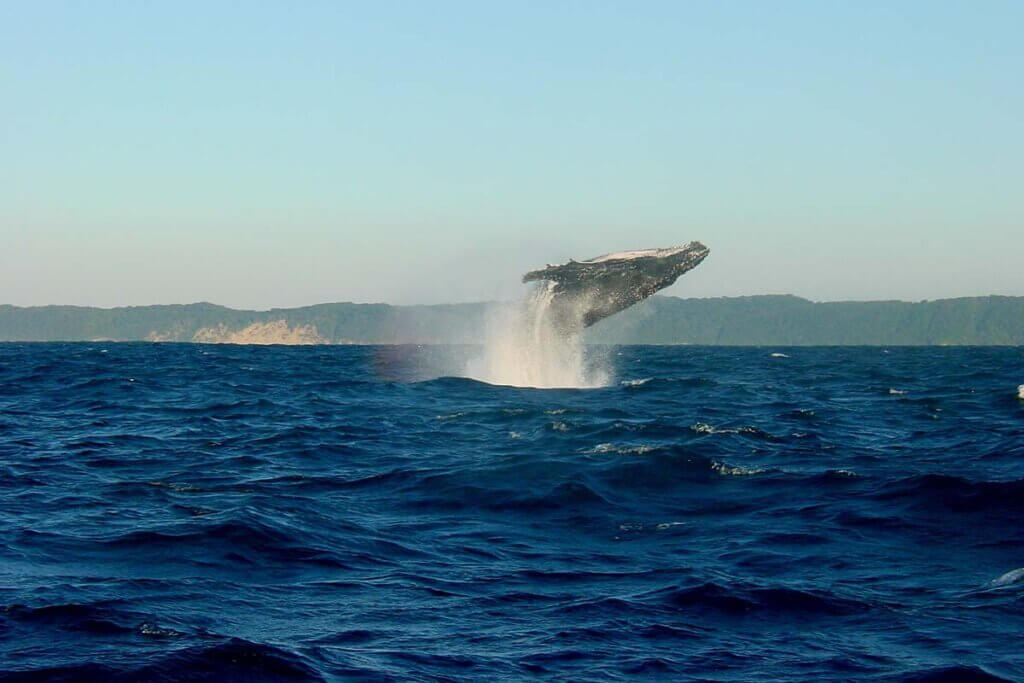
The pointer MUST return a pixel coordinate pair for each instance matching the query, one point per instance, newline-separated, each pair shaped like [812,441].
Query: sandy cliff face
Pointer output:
[276,332]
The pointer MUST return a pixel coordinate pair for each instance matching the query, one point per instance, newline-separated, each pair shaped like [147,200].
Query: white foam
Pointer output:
[705,428]
[523,348]
[779,355]
[150,629]
[635,382]
[731,471]
[896,392]
[622,450]
[1009,578]
[1020,391]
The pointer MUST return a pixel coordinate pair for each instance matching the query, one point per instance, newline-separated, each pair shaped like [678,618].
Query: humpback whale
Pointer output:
[583,292]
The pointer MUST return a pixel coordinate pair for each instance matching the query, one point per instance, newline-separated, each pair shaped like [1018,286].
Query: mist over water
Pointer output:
[527,345]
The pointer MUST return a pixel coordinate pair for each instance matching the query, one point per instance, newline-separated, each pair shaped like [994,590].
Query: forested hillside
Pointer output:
[753,320]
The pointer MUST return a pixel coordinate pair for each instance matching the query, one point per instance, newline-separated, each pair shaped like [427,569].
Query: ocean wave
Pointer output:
[666,468]
[658,385]
[745,600]
[1010,578]
[959,673]
[735,471]
[956,494]
[236,542]
[639,449]
[98,618]
[747,431]
[343,519]
[450,493]
[233,660]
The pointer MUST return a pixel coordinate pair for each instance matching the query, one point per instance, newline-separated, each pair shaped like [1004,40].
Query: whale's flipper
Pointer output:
[587,291]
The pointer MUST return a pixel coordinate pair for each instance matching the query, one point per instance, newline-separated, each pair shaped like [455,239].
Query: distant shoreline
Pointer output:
[764,320]
[479,344]
[262,311]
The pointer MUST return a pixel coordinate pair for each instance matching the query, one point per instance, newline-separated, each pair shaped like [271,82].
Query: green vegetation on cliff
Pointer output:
[753,320]
[790,320]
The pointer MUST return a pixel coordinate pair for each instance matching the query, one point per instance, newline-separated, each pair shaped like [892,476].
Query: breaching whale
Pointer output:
[583,292]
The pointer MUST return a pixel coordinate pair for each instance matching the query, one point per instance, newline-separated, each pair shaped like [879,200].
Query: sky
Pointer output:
[274,154]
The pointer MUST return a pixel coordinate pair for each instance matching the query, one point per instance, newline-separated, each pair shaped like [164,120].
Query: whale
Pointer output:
[585,292]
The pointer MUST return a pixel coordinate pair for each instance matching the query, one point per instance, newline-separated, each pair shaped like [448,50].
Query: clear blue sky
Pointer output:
[279,154]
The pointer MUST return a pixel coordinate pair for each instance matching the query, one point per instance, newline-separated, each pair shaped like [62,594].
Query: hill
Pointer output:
[751,320]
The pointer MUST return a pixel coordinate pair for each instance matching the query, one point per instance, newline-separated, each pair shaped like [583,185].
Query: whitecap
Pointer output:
[731,471]
[896,392]
[1020,391]
[705,428]
[635,382]
[779,355]
[154,631]
[1009,578]
[622,450]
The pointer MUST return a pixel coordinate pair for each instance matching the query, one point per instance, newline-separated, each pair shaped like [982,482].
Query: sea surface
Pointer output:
[204,512]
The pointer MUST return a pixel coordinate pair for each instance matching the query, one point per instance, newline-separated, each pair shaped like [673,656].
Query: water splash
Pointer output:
[529,345]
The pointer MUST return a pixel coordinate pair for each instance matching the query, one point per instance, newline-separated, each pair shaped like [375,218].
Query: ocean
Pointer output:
[178,512]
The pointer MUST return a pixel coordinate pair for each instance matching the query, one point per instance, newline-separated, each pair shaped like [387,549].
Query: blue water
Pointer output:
[194,512]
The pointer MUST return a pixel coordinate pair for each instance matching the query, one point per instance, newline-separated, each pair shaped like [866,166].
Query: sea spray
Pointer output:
[529,345]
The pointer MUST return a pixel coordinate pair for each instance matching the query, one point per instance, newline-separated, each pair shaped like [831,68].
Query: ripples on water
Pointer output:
[181,512]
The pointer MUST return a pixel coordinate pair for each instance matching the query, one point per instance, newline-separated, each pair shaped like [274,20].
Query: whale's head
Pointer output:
[666,266]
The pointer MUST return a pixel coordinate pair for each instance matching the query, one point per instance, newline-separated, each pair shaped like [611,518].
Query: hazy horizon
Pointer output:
[283,156]
[663,293]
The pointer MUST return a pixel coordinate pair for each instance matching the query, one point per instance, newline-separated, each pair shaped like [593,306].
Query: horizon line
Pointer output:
[507,301]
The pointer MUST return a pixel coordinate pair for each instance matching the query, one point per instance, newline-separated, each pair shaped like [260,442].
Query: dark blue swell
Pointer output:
[191,512]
